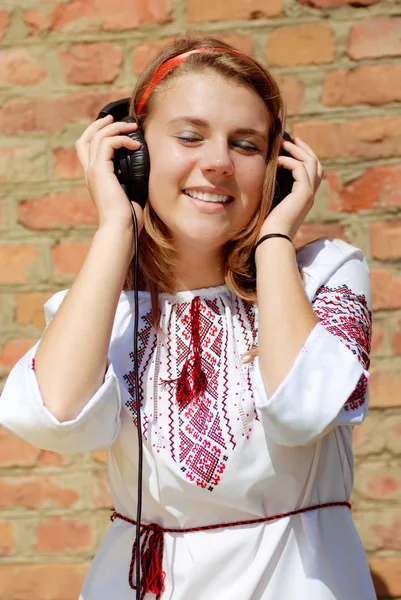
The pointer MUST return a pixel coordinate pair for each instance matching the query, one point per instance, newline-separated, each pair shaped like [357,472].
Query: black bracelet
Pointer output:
[271,235]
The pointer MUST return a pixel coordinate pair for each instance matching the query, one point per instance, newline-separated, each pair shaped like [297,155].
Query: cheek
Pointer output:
[251,181]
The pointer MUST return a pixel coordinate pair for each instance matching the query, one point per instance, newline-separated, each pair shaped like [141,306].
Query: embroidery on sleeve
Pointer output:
[347,316]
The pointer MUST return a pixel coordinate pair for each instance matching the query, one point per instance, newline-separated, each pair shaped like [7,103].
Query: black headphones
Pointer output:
[132,167]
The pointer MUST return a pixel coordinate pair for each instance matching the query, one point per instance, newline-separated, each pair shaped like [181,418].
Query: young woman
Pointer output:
[252,362]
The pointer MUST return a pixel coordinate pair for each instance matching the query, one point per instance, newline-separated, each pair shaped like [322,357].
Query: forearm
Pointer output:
[72,356]
[286,317]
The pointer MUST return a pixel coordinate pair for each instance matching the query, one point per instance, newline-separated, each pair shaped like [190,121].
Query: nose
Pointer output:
[216,158]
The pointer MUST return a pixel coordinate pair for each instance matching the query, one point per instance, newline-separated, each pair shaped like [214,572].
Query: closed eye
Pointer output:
[188,139]
[246,146]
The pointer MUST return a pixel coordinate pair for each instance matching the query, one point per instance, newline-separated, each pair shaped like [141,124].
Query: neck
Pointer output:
[199,267]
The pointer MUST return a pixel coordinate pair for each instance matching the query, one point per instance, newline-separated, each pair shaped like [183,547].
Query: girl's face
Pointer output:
[207,138]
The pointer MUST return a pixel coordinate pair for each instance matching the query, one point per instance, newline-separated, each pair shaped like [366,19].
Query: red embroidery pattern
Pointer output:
[200,434]
[202,445]
[145,353]
[347,316]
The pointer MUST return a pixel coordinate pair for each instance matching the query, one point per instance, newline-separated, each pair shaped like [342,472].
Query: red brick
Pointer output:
[58,209]
[4,22]
[18,67]
[210,10]
[55,534]
[385,388]
[36,21]
[24,163]
[395,335]
[112,15]
[377,188]
[67,257]
[13,350]
[375,38]
[29,310]
[7,540]
[392,428]
[309,232]
[51,458]
[378,482]
[360,138]
[16,261]
[385,240]
[386,290]
[101,491]
[98,62]
[379,530]
[50,115]
[307,44]
[15,452]
[47,582]
[386,575]
[293,93]
[370,437]
[368,84]
[35,492]
[143,54]
[66,165]
[336,3]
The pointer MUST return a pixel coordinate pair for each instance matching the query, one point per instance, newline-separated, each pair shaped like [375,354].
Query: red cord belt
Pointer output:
[152,545]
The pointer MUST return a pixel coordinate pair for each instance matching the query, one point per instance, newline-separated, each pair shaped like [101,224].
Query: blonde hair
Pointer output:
[157,275]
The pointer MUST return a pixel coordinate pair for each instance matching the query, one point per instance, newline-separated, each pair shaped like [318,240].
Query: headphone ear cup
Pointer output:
[132,168]
[284,178]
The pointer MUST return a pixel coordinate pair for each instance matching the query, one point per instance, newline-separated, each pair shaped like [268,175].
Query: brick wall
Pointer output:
[338,63]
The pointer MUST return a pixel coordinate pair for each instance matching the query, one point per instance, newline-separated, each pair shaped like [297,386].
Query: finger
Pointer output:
[108,146]
[82,144]
[320,169]
[298,152]
[305,146]
[112,130]
[297,168]
[309,162]
[96,126]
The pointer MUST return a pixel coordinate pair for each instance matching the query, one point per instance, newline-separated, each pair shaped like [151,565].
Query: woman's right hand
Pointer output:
[95,149]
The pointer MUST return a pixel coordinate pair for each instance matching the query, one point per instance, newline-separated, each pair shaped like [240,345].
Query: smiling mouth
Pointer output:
[208,197]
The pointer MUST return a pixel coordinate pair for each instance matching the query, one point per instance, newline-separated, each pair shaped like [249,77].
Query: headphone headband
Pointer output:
[169,65]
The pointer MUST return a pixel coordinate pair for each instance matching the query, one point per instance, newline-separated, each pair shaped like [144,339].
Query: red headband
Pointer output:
[170,64]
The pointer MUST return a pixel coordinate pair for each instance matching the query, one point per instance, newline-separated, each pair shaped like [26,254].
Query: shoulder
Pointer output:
[334,261]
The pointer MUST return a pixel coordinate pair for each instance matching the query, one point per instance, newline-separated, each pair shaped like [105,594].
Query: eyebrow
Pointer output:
[204,123]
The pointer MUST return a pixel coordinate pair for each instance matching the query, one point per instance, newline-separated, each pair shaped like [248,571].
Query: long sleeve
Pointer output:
[23,413]
[328,382]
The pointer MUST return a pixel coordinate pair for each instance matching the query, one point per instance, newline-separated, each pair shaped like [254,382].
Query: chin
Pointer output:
[204,236]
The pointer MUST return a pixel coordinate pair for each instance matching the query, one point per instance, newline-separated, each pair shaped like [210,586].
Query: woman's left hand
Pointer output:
[307,172]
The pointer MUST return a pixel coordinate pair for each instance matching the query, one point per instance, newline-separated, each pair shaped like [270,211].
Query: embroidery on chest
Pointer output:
[200,435]
[145,354]
[246,314]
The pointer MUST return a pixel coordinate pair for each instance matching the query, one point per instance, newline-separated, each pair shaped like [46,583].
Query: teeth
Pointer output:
[206,197]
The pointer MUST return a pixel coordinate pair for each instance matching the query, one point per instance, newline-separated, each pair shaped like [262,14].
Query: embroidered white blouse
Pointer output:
[235,454]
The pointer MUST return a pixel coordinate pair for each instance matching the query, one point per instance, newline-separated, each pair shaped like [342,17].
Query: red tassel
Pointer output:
[199,378]
[184,393]
[153,576]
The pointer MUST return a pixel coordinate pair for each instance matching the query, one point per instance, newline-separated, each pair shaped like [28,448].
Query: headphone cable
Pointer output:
[138,410]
